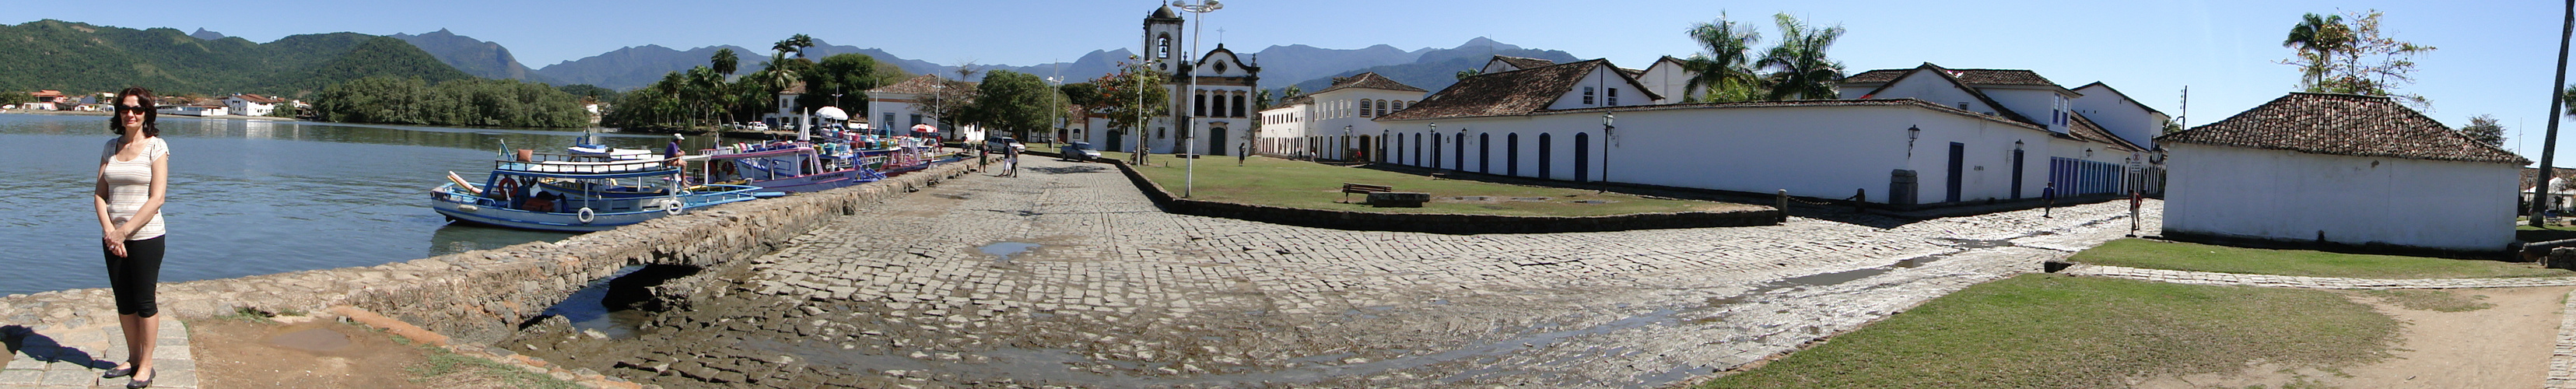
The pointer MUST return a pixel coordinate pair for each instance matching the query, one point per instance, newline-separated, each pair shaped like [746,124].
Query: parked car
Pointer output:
[1079,151]
[996,144]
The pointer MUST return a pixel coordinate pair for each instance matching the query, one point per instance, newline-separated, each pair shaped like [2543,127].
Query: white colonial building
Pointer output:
[1219,110]
[2347,169]
[1925,135]
[899,107]
[1328,123]
[251,105]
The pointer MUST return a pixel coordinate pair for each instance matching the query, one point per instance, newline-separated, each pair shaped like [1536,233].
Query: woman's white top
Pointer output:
[129,184]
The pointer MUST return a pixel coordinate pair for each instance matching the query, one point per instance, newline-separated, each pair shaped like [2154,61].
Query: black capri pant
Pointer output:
[133,276]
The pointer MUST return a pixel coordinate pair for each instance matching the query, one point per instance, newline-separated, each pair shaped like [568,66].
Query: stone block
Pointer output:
[1398,199]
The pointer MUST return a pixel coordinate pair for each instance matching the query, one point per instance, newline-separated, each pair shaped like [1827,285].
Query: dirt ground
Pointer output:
[309,353]
[2505,346]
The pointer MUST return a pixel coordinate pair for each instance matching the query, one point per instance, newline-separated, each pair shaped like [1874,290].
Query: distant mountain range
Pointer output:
[214,63]
[1308,67]
[476,57]
[82,58]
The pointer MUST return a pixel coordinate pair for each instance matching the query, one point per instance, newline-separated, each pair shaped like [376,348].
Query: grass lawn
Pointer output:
[2042,330]
[2200,257]
[1300,184]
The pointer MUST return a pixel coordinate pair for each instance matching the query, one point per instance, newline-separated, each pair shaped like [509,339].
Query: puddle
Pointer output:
[610,304]
[1979,243]
[1530,199]
[952,196]
[318,339]
[1472,198]
[1007,249]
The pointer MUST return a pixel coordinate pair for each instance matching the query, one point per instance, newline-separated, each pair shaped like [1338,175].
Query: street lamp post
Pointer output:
[1345,152]
[1435,135]
[1608,137]
[1458,163]
[1189,127]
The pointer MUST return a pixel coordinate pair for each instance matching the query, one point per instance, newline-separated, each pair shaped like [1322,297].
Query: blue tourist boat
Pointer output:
[793,167]
[573,193]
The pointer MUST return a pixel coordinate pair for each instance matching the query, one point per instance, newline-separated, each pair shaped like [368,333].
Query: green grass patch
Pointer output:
[2150,254]
[444,367]
[2052,331]
[2430,300]
[1309,185]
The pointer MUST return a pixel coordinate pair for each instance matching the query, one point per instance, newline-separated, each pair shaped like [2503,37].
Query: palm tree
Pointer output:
[725,61]
[1799,67]
[793,44]
[2319,36]
[1721,70]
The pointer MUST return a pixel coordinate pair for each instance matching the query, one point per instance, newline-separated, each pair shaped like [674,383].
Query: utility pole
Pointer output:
[2549,147]
[1189,129]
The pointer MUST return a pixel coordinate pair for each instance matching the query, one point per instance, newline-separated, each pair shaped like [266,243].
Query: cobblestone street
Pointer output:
[1116,293]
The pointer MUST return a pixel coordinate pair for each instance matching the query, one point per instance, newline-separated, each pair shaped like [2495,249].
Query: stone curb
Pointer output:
[2276,281]
[1443,223]
[2562,359]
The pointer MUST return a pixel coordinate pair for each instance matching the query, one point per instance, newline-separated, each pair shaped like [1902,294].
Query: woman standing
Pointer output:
[133,179]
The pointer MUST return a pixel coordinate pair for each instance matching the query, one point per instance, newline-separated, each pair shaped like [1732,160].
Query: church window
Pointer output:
[1587,95]
[1238,105]
[1163,47]
[1216,104]
[1200,106]
[1160,133]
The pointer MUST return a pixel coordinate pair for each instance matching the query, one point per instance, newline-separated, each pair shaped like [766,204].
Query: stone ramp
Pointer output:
[64,356]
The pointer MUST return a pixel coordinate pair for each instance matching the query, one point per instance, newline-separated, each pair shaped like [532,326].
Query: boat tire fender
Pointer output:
[671,206]
[585,215]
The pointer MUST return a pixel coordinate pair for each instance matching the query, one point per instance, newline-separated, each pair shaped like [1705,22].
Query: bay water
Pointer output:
[252,197]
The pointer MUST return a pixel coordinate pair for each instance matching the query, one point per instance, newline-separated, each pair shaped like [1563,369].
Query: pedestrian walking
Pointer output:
[132,181]
[2048,200]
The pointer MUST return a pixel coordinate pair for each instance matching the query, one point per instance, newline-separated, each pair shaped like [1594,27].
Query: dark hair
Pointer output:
[145,101]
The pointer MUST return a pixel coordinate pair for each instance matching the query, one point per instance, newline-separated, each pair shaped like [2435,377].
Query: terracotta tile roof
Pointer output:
[1967,76]
[1512,93]
[1800,103]
[2086,130]
[1929,68]
[1524,63]
[919,85]
[1370,80]
[2563,173]
[258,98]
[2339,124]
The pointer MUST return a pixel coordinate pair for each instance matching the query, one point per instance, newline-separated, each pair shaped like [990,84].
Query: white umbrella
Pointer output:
[833,113]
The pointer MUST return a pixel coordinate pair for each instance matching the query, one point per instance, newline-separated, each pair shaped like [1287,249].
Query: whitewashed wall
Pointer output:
[1811,151]
[2275,194]
[2042,104]
[1666,78]
[1600,78]
[2119,115]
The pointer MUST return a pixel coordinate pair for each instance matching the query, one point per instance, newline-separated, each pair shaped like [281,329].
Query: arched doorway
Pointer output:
[1544,158]
[1582,157]
[1512,154]
[1216,141]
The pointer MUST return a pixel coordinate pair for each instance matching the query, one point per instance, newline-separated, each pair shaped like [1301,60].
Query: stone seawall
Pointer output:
[1443,223]
[483,295]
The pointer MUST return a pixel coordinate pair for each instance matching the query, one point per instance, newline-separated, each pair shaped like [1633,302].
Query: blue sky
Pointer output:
[2495,56]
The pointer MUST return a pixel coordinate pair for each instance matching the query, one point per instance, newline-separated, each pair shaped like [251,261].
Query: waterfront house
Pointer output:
[2345,169]
[1328,123]
[250,104]
[901,106]
[203,109]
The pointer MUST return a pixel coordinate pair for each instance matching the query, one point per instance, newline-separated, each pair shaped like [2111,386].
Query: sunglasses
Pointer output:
[121,108]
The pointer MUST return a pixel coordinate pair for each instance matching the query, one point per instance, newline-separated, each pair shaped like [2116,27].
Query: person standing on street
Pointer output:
[133,179]
[2048,199]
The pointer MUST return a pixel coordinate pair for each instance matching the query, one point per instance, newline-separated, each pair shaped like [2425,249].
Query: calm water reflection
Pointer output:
[253,197]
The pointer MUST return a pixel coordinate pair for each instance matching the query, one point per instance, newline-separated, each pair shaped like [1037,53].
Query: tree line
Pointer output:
[703,97]
[465,102]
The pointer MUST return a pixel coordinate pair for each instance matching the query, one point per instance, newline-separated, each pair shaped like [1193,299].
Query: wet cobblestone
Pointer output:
[1120,294]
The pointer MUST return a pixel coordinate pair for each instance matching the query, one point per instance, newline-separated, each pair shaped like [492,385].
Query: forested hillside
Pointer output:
[83,58]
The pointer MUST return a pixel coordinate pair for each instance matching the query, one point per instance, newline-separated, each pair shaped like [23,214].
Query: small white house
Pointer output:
[2345,169]
[251,105]
[1327,123]
[195,110]
[898,108]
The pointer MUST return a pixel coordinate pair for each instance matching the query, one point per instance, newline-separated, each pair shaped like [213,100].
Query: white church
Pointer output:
[1219,110]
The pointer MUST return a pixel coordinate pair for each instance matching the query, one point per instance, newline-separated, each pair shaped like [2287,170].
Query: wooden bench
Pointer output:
[1350,188]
